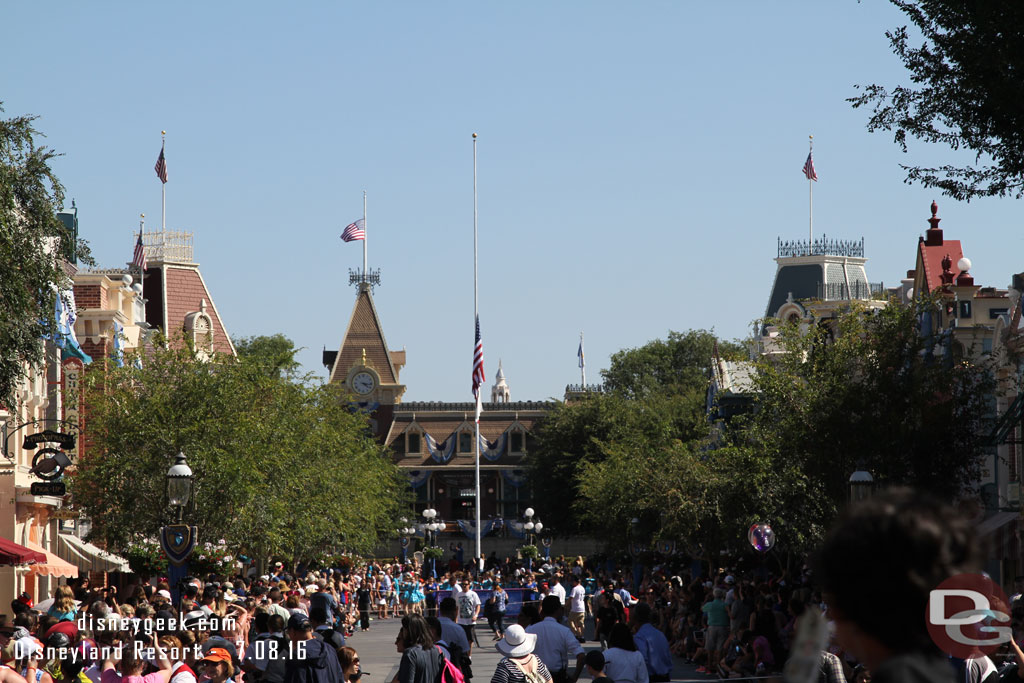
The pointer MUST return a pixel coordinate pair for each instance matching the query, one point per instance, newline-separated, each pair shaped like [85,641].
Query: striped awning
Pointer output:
[54,566]
[89,557]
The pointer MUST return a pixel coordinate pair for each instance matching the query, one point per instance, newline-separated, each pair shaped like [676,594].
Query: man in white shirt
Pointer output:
[577,607]
[556,643]
[469,609]
[557,588]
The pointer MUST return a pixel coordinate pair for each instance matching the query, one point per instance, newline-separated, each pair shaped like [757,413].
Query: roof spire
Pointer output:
[933,235]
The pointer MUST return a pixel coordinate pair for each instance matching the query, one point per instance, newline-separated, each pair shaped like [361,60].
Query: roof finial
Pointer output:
[947,274]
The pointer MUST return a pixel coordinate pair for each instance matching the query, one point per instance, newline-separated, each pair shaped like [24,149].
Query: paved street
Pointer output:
[379,658]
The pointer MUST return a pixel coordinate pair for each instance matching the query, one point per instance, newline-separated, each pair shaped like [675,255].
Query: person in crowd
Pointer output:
[469,609]
[496,614]
[595,666]
[555,643]
[716,622]
[309,659]
[324,631]
[622,661]
[421,661]
[217,666]
[652,645]
[350,668]
[877,606]
[577,606]
[519,664]
[63,607]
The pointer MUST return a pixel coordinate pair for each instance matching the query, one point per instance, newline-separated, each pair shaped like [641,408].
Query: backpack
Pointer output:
[534,676]
[448,673]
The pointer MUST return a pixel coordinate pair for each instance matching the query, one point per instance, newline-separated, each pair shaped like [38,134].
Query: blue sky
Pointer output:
[637,162]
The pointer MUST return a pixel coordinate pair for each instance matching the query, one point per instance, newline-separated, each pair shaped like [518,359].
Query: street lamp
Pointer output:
[179,484]
[861,485]
[432,526]
[406,531]
[531,527]
[178,540]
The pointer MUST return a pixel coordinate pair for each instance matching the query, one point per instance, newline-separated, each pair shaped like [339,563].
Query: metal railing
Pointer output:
[167,245]
[821,247]
[858,289]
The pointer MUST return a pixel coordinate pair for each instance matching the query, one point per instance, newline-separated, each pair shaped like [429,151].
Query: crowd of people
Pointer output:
[547,624]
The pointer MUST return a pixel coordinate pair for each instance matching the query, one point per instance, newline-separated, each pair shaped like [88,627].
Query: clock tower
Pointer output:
[363,364]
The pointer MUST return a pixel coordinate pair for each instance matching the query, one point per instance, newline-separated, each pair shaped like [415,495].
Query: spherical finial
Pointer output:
[163,132]
[935,208]
[810,137]
[126,280]
[142,215]
[964,264]
[474,136]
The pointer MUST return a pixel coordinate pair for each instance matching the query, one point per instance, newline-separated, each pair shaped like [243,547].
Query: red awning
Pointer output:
[12,553]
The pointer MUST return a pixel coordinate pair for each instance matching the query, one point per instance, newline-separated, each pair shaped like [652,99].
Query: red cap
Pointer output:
[68,628]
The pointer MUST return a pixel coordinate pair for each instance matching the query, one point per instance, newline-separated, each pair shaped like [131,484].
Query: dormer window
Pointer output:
[199,331]
[516,442]
[412,442]
[465,442]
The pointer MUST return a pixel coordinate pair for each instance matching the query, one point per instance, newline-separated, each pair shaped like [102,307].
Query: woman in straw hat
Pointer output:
[519,665]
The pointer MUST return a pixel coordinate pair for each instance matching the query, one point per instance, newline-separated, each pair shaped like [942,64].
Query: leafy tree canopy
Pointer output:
[281,466]
[33,243]
[967,93]
[275,352]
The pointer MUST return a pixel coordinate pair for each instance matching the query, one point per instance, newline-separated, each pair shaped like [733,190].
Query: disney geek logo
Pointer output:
[964,614]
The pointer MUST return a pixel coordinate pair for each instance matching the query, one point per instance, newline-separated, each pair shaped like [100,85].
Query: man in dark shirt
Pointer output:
[323,598]
[363,604]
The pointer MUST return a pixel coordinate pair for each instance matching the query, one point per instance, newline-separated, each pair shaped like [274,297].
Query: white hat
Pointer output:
[164,594]
[517,642]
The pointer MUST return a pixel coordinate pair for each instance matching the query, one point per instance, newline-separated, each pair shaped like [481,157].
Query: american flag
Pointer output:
[354,231]
[161,166]
[580,354]
[478,367]
[809,168]
[139,257]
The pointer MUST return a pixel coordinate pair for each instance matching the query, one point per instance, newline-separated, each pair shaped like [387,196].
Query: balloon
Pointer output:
[761,537]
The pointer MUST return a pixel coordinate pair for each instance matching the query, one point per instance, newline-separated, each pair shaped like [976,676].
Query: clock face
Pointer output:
[363,383]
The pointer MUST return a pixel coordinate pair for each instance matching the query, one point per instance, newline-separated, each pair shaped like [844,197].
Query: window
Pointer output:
[994,313]
[516,442]
[465,442]
[412,442]
[965,309]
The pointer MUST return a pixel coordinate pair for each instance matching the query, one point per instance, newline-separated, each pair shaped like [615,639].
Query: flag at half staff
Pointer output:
[580,354]
[139,257]
[354,232]
[809,168]
[161,166]
[478,367]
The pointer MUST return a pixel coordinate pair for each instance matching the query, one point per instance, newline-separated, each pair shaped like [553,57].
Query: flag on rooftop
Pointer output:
[139,257]
[354,231]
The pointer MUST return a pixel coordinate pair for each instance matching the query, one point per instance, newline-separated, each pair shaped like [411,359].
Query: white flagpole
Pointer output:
[476,316]
[142,273]
[810,194]
[583,364]
[163,185]
[364,237]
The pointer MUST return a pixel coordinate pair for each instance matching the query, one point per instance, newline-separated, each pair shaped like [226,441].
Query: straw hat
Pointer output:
[517,642]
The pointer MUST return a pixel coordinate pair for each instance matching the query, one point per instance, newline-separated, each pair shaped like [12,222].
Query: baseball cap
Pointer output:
[217,654]
[299,622]
[730,579]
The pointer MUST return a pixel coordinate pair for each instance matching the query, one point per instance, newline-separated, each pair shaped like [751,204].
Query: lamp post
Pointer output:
[431,527]
[178,540]
[861,485]
[531,527]
[406,532]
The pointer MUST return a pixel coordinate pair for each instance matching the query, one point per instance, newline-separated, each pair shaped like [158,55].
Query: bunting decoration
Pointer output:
[492,450]
[441,452]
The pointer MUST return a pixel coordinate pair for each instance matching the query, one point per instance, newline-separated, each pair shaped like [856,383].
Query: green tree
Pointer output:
[282,466]
[33,245]
[275,352]
[967,93]
[871,392]
[654,401]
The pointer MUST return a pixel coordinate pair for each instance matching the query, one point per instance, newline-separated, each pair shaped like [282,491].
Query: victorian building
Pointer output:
[433,442]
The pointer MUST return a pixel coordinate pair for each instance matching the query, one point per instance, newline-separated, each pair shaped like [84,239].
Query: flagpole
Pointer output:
[163,185]
[583,363]
[364,237]
[476,317]
[142,272]
[810,194]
